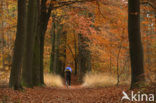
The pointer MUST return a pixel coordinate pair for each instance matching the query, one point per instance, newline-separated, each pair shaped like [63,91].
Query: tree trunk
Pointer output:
[110,62]
[44,18]
[135,44]
[36,52]
[58,54]
[30,39]
[58,61]
[15,74]
[36,63]
[62,52]
[53,47]
[76,54]
[118,56]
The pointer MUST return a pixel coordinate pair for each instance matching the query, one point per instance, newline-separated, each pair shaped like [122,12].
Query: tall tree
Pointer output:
[62,53]
[135,44]
[32,22]
[53,46]
[76,54]
[19,46]
[36,73]
[43,21]
[56,46]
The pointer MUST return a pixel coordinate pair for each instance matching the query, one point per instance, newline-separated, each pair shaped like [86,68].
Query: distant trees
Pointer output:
[65,42]
[2,41]
[53,34]
[76,44]
[58,52]
[8,15]
[84,56]
[148,21]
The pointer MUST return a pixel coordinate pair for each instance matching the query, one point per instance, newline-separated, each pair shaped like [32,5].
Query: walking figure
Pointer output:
[68,71]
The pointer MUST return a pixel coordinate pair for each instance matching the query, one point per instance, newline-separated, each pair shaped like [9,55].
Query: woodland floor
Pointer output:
[75,94]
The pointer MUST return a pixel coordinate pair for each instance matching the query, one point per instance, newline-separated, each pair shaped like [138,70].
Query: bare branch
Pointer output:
[71,51]
[149,3]
[67,3]
[98,4]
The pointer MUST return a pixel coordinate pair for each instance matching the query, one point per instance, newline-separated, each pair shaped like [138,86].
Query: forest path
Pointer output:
[73,87]
[75,94]
[75,83]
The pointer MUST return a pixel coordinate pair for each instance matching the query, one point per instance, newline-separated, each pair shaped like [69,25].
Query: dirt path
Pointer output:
[75,94]
[73,87]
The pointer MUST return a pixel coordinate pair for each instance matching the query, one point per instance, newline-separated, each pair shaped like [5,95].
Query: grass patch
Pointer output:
[53,80]
[98,80]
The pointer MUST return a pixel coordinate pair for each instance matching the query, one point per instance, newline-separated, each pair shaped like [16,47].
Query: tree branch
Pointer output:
[98,4]
[71,51]
[50,8]
[149,3]
[67,3]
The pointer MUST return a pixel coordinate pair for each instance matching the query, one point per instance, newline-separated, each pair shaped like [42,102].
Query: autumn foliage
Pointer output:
[90,35]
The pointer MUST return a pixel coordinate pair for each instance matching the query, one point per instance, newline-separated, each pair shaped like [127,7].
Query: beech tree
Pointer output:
[135,44]
[32,21]
[15,75]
